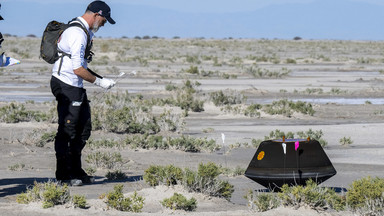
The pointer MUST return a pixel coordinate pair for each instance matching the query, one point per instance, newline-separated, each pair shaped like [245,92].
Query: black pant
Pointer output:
[74,128]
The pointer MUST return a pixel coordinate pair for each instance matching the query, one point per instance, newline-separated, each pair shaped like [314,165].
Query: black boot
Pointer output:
[77,172]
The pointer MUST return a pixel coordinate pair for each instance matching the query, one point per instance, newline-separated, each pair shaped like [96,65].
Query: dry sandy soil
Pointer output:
[352,68]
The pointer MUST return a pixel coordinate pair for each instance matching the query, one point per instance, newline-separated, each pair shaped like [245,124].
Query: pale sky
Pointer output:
[317,19]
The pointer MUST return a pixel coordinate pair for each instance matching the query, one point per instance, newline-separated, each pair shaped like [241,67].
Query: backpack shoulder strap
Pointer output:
[78,23]
[75,22]
[88,52]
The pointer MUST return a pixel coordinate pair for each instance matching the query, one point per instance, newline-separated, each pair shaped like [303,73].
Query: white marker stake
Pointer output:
[284,148]
[225,157]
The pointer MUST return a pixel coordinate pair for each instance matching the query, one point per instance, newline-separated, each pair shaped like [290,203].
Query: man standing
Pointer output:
[73,108]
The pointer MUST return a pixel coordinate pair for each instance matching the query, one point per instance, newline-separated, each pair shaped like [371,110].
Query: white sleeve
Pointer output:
[77,45]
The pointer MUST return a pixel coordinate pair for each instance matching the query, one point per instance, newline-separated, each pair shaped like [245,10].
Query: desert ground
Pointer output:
[343,80]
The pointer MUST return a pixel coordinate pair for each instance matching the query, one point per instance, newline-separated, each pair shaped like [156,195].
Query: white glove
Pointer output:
[104,83]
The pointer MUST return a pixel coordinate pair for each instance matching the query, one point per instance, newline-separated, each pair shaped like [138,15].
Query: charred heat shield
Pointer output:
[292,162]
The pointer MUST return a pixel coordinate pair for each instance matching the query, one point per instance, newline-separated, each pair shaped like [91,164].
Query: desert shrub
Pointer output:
[185,98]
[262,202]
[366,193]
[187,101]
[205,180]
[16,167]
[145,141]
[116,200]
[265,73]
[256,142]
[169,175]
[46,138]
[314,91]
[317,135]
[290,61]
[209,170]
[169,121]
[153,175]
[79,201]
[179,202]
[311,195]
[115,175]
[337,91]
[121,113]
[38,137]
[103,143]
[287,108]
[237,171]
[14,113]
[190,144]
[208,130]
[124,120]
[345,141]
[277,134]
[90,171]
[220,99]
[106,160]
[253,110]
[49,193]
[183,143]
[192,70]
[170,87]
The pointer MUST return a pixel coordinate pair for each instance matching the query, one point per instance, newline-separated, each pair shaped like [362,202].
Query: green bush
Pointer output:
[345,141]
[208,171]
[253,110]
[205,180]
[185,98]
[46,138]
[121,113]
[116,200]
[256,142]
[262,201]
[317,135]
[79,201]
[170,87]
[14,113]
[192,70]
[106,160]
[103,143]
[16,167]
[237,171]
[312,196]
[153,175]
[115,175]
[364,191]
[169,175]
[287,108]
[49,193]
[183,143]
[180,202]
[277,134]
[220,99]
[124,120]
[191,144]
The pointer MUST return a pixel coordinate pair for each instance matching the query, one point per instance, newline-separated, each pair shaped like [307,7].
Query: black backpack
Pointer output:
[48,48]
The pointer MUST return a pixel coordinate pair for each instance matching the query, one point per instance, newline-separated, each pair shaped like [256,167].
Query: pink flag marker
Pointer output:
[297,145]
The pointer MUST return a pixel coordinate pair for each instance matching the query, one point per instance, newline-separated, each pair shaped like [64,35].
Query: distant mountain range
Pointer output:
[320,19]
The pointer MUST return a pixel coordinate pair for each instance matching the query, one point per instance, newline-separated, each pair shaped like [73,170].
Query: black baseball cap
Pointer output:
[102,9]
